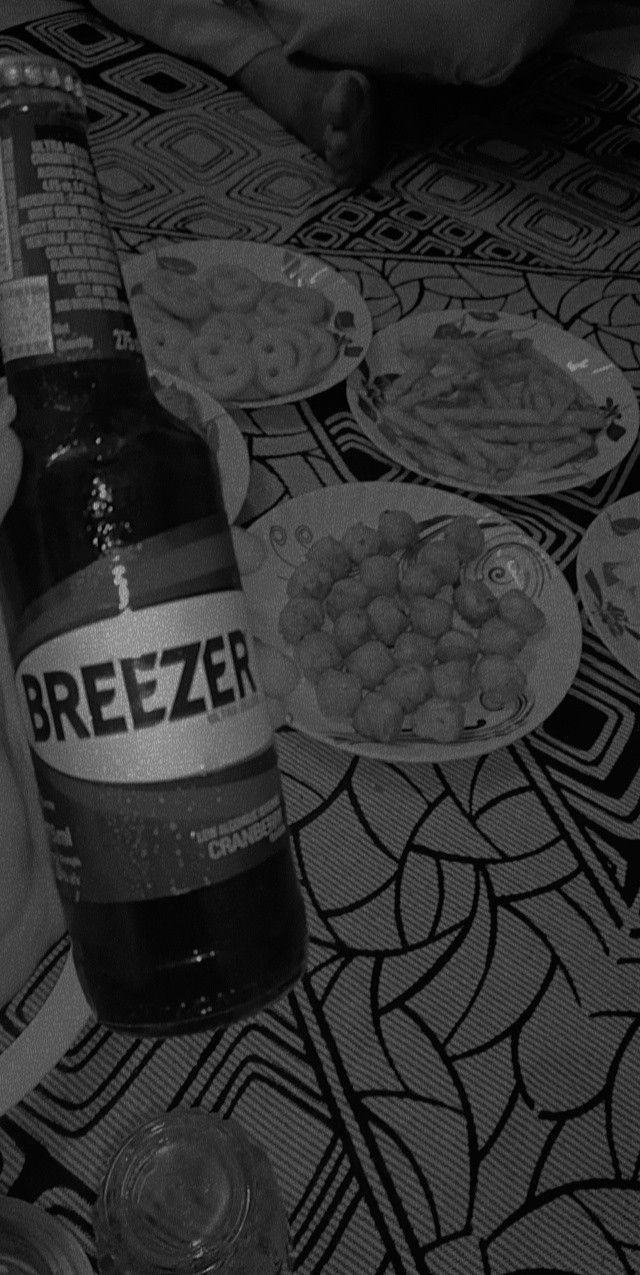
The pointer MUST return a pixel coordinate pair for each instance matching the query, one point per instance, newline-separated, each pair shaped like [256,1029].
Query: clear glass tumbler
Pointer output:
[33,1242]
[190,1194]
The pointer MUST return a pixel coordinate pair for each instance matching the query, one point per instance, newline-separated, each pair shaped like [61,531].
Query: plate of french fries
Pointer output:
[408,624]
[493,402]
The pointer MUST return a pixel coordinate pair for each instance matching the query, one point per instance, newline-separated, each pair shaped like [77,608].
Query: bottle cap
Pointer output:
[27,70]
[32,1242]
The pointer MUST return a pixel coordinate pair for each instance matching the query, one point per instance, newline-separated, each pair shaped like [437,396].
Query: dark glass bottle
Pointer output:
[135,667]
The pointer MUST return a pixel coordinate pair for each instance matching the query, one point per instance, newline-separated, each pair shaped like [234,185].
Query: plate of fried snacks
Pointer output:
[252,324]
[493,402]
[608,571]
[209,419]
[422,626]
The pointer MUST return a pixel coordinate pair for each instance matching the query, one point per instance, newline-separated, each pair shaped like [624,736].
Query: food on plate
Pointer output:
[371,662]
[338,692]
[440,720]
[388,618]
[315,653]
[378,717]
[361,541]
[347,594]
[235,334]
[379,573]
[332,555]
[309,580]
[409,684]
[499,678]
[496,637]
[390,658]
[484,408]
[300,616]
[517,609]
[351,629]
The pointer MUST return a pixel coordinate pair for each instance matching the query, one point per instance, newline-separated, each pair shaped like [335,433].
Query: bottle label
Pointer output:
[160,693]
[61,290]
[151,738]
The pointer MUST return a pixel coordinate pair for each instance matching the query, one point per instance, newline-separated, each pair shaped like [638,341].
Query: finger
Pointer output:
[10,467]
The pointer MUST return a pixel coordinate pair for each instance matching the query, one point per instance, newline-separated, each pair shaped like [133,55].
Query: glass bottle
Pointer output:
[135,666]
[190,1194]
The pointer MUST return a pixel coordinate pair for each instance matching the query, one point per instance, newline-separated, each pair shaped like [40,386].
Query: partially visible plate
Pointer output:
[608,570]
[45,1040]
[218,429]
[510,558]
[350,321]
[601,380]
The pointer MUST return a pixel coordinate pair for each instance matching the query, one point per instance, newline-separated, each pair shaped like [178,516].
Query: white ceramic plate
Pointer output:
[510,559]
[350,322]
[602,381]
[219,431]
[45,1040]
[608,570]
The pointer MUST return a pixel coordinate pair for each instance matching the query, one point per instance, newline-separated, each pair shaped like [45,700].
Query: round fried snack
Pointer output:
[178,294]
[295,306]
[323,347]
[164,338]
[282,358]
[225,367]
[233,287]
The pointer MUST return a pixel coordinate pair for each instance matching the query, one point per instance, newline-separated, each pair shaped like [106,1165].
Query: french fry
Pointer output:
[404,382]
[486,408]
[554,457]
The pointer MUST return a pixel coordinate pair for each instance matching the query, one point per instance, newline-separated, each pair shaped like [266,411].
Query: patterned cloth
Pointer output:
[453,1089]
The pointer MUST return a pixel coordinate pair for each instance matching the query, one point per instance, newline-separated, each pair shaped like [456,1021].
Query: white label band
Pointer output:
[156,694]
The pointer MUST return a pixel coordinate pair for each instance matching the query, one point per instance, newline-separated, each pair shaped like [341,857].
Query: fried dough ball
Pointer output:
[454,680]
[409,684]
[379,574]
[467,537]
[431,616]
[298,617]
[346,595]
[440,720]
[457,644]
[332,556]
[361,541]
[500,680]
[414,648]
[338,693]
[518,610]
[351,629]
[474,601]
[442,558]
[496,637]
[371,662]
[309,580]
[279,675]
[397,530]
[387,619]
[315,653]
[419,579]
[378,717]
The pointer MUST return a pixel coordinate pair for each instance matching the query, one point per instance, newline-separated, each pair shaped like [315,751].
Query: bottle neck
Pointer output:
[63,300]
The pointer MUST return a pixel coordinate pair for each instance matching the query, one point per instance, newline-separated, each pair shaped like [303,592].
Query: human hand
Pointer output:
[31,917]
